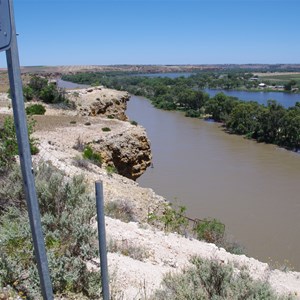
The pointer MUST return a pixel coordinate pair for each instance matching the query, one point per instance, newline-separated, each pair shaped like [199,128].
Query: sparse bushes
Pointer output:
[35,109]
[213,280]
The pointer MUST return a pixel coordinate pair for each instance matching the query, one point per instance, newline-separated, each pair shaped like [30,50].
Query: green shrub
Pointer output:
[134,123]
[212,231]
[106,129]
[94,157]
[8,143]
[172,219]
[66,211]
[35,109]
[192,113]
[111,169]
[213,280]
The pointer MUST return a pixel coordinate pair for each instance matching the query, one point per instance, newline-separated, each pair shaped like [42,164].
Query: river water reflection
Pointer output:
[253,188]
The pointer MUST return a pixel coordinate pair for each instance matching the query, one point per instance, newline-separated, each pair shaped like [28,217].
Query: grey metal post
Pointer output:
[102,239]
[15,81]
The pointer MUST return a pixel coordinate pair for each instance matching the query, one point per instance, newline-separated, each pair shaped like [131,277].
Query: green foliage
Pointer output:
[172,219]
[8,143]
[213,280]
[106,129]
[111,169]
[212,231]
[135,123]
[88,153]
[66,211]
[39,88]
[192,113]
[35,109]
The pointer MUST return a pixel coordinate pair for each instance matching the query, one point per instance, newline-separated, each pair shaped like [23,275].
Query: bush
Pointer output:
[135,123]
[66,211]
[212,231]
[213,280]
[106,129]
[35,109]
[9,145]
[120,209]
[172,219]
[94,157]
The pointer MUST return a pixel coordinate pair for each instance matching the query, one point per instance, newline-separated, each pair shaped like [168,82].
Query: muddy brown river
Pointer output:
[252,188]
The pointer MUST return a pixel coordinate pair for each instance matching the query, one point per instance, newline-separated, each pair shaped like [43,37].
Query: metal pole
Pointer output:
[15,81]
[102,239]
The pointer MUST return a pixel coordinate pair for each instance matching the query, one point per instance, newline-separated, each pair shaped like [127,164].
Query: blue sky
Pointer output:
[86,32]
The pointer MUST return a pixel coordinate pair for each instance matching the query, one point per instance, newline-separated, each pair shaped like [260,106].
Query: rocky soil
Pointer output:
[155,252]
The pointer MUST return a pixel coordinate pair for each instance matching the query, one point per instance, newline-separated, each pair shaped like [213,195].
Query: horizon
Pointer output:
[156,32]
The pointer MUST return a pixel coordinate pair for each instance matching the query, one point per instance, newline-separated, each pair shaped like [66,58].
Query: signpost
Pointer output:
[5,25]
[8,42]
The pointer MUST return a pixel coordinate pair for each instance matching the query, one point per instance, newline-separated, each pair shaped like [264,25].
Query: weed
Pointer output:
[134,123]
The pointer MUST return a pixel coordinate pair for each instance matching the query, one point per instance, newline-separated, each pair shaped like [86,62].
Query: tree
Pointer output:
[244,118]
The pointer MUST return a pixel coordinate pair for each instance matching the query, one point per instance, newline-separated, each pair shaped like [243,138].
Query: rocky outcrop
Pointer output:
[128,151]
[99,101]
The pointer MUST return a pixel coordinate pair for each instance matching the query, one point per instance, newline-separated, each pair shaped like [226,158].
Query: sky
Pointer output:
[109,32]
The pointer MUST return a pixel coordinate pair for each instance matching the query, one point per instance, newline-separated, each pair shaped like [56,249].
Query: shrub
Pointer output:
[136,252]
[212,231]
[120,209]
[8,143]
[35,109]
[106,129]
[94,157]
[111,169]
[134,123]
[213,280]
[172,219]
[66,211]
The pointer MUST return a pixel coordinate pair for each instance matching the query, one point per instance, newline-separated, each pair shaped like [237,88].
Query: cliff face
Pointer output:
[128,151]
[99,101]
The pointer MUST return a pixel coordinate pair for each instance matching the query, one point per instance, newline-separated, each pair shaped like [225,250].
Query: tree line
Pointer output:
[271,123]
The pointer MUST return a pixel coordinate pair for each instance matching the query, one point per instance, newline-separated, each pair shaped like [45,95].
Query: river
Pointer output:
[252,188]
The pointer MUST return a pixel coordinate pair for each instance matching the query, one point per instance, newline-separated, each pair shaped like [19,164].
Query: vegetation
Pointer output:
[39,88]
[8,143]
[66,212]
[120,209]
[88,153]
[209,279]
[35,109]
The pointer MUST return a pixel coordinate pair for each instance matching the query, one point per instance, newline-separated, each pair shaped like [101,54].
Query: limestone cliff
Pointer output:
[128,151]
[99,101]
